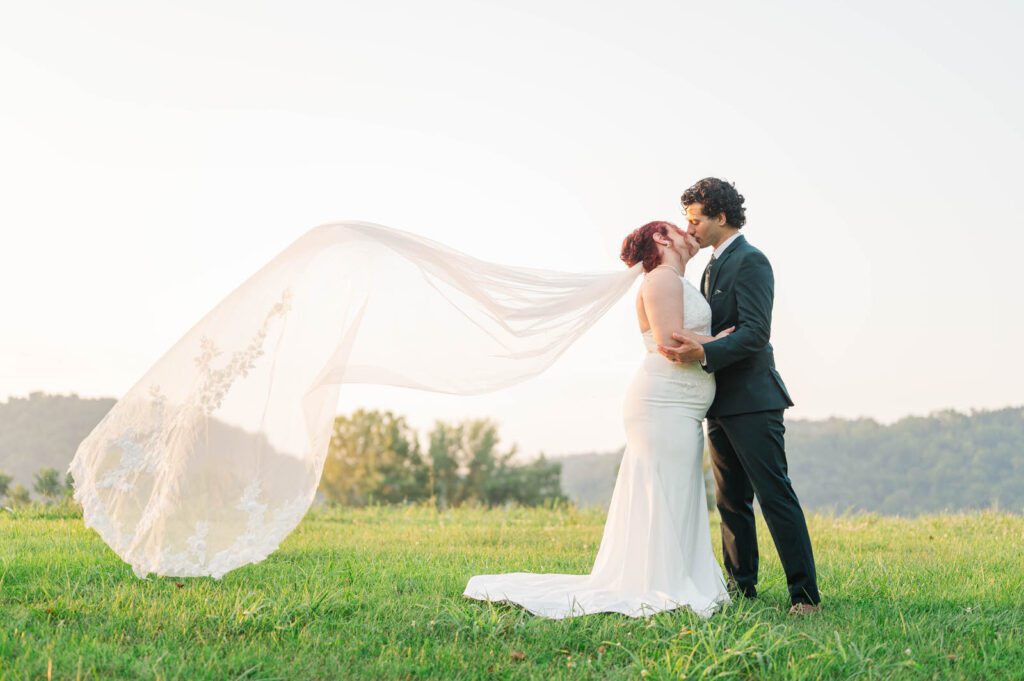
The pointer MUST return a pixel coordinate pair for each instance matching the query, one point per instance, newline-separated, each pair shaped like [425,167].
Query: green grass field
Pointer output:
[376,593]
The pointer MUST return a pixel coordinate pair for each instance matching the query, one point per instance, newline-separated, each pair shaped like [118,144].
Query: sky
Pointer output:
[154,155]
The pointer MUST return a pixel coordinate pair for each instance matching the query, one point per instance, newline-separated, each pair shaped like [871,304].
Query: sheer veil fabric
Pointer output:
[214,455]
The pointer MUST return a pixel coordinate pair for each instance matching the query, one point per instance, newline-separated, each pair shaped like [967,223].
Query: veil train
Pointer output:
[214,455]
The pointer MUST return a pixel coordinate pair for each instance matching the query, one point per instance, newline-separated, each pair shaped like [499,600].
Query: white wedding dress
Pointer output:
[655,552]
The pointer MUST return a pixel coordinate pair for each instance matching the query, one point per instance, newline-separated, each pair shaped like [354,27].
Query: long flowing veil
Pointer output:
[214,455]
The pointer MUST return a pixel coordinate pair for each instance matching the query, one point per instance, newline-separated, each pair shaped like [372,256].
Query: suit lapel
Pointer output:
[720,262]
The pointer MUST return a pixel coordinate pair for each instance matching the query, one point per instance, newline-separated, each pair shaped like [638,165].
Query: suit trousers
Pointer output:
[748,455]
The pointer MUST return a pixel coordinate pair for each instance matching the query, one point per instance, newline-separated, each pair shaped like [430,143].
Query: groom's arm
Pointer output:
[755,291]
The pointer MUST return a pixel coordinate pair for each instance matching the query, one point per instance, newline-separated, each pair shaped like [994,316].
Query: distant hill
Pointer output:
[945,461]
[43,431]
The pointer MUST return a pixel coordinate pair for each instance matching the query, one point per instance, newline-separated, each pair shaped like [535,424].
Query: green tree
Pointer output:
[374,456]
[5,484]
[445,454]
[482,458]
[467,465]
[529,484]
[48,484]
[19,496]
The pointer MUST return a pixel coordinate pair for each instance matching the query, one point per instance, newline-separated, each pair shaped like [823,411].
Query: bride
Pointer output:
[215,454]
[655,552]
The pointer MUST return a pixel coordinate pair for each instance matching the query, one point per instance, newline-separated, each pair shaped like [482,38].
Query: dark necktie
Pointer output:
[707,278]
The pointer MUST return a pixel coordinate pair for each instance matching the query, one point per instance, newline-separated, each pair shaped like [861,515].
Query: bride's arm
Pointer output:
[691,345]
[662,295]
[706,339]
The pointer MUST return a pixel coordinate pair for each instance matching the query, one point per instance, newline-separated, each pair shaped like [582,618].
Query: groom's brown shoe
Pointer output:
[804,609]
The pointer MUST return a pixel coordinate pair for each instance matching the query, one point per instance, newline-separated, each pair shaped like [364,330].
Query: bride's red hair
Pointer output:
[639,245]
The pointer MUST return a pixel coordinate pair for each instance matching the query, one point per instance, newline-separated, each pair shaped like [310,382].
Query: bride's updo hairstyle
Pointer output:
[640,246]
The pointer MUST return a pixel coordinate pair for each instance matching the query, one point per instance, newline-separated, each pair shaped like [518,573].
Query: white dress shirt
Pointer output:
[724,245]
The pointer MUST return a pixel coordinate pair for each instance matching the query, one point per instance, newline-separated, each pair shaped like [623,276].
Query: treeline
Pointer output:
[948,461]
[375,457]
[47,483]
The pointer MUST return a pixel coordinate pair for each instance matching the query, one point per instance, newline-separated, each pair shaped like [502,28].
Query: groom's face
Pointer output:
[707,231]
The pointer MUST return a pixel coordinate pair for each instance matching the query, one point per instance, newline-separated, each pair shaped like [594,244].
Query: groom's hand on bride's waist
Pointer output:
[691,346]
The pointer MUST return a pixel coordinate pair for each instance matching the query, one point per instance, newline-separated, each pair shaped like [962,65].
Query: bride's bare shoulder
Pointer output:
[661,281]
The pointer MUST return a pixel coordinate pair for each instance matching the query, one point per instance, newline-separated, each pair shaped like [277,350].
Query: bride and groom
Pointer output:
[708,356]
[216,453]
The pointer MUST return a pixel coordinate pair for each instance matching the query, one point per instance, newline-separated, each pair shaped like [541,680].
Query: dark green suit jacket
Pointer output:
[742,290]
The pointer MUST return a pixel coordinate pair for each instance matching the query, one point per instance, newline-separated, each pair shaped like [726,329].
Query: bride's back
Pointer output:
[696,313]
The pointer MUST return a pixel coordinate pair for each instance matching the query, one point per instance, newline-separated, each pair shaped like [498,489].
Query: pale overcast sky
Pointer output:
[154,155]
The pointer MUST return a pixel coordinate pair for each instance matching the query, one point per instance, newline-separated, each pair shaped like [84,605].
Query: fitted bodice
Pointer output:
[696,315]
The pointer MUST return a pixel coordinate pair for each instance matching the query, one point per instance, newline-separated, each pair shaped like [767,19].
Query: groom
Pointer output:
[745,425]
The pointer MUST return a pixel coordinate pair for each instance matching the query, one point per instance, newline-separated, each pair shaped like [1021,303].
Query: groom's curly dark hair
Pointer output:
[717,196]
